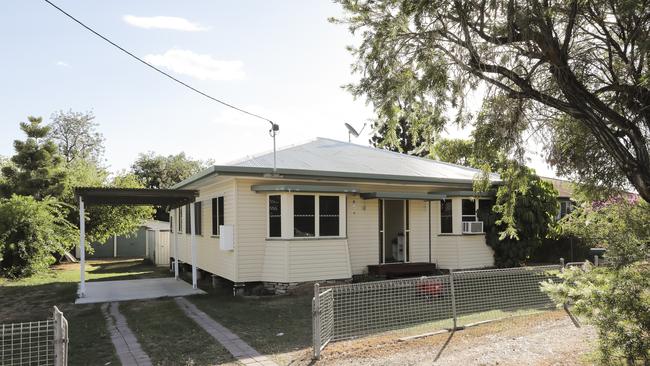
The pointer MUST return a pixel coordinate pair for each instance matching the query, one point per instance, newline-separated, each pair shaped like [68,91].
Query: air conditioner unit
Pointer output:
[226,237]
[472,227]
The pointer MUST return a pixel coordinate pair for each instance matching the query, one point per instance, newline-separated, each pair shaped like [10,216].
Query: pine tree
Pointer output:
[398,139]
[37,168]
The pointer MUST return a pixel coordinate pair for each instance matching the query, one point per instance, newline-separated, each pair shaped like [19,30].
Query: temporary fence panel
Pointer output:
[323,319]
[35,343]
[434,302]
[494,294]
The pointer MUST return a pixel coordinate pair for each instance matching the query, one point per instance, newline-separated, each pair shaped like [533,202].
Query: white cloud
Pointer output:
[202,67]
[163,22]
[62,64]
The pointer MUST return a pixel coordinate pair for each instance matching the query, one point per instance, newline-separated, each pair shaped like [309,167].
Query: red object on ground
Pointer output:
[434,288]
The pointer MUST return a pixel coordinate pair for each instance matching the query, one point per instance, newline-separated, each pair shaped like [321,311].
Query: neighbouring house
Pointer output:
[150,240]
[565,195]
[330,211]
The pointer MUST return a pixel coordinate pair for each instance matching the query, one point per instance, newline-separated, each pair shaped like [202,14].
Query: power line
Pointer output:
[157,69]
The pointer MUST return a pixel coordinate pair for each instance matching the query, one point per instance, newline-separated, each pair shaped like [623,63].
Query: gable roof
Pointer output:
[327,158]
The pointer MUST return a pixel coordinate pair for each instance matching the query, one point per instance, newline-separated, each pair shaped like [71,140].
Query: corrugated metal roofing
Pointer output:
[324,154]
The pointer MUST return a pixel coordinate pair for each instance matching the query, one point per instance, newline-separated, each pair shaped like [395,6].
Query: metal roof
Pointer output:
[135,196]
[331,159]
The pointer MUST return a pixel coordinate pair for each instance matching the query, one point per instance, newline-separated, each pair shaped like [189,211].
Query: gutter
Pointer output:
[265,172]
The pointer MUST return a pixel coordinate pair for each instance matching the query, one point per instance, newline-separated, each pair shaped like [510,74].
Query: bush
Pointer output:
[30,232]
[616,298]
[616,302]
[520,218]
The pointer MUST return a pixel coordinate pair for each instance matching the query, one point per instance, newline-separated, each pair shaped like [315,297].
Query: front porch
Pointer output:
[395,270]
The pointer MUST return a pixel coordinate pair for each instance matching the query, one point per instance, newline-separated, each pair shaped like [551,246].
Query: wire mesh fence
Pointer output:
[432,303]
[35,343]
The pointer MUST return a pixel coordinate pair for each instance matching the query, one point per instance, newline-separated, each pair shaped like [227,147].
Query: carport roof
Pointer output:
[135,196]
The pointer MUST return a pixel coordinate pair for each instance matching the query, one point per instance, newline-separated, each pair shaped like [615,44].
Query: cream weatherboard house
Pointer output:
[330,211]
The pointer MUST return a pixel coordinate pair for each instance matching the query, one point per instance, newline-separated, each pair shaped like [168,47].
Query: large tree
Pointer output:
[401,138]
[548,67]
[76,136]
[159,172]
[37,168]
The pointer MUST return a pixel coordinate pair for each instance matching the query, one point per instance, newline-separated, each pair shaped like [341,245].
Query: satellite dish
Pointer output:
[352,131]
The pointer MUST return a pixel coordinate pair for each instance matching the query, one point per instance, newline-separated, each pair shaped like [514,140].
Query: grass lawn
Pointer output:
[31,299]
[169,337]
[258,321]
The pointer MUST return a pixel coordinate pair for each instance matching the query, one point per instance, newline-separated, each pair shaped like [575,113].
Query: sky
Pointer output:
[280,59]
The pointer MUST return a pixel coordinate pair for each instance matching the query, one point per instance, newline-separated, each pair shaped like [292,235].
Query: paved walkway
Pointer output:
[126,345]
[148,288]
[235,345]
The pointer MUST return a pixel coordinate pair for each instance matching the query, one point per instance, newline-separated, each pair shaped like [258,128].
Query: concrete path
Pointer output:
[126,345]
[235,345]
[148,288]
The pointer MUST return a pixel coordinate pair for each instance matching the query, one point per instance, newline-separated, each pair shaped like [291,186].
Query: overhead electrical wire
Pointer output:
[157,69]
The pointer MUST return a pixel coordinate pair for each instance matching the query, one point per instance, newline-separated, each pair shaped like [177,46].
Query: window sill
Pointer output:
[309,238]
[461,234]
[215,236]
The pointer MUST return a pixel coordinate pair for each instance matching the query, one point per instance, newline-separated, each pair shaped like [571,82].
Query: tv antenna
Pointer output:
[273,132]
[352,131]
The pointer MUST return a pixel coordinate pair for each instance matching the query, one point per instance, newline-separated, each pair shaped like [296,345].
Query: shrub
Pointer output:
[616,302]
[616,298]
[519,221]
[30,232]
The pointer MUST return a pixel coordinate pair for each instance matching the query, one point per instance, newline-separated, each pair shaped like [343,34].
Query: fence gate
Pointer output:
[323,318]
[427,303]
[35,343]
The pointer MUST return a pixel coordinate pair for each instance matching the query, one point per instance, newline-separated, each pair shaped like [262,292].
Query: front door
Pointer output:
[393,231]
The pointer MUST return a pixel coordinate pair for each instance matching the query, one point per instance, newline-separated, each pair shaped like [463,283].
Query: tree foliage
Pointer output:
[468,152]
[619,224]
[615,298]
[616,302]
[521,217]
[158,171]
[548,68]
[401,138]
[36,168]
[102,222]
[30,231]
[76,136]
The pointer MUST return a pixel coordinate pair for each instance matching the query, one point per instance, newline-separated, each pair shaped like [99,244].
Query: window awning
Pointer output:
[403,196]
[464,194]
[303,188]
[135,196]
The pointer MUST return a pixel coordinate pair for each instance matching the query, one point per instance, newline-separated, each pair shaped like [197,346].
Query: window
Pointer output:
[197,218]
[328,215]
[188,223]
[217,215]
[275,216]
[469,210]
[171,224]
[304,221]
[565,208]
[180,219]
[446,222]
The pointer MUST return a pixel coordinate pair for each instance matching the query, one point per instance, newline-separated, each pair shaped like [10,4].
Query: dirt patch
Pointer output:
[543,339]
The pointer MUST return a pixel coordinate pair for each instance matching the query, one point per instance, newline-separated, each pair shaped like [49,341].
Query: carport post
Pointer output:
[82,248]
[175,243]
[193,243]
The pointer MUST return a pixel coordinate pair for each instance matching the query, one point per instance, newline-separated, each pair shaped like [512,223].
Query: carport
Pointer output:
[134,289]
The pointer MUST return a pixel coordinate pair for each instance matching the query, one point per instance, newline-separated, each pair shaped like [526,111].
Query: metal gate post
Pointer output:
[453,297]
[316,321]
[60,339]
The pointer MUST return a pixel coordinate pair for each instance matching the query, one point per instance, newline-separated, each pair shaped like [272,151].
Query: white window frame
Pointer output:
[475,216]
[210,199]
[286,215]
[268,218]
